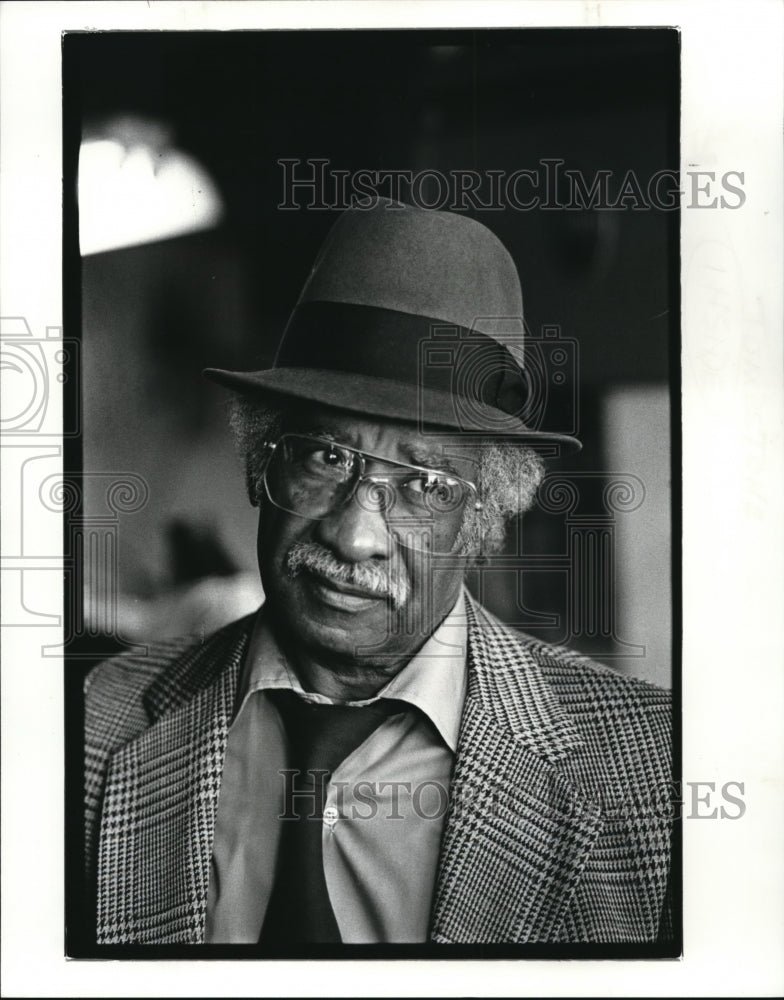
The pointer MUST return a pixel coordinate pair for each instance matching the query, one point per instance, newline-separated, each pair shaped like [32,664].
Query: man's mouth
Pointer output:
[343,596]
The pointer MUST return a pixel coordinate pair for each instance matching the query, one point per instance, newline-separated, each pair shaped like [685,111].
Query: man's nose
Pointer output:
[356,531]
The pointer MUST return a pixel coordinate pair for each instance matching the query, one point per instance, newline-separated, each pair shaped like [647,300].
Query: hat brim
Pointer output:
[377,397]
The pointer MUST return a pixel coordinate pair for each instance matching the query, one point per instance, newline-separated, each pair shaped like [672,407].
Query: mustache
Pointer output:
[370,576]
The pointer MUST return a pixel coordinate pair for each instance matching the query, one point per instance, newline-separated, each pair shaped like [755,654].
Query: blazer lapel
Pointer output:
[160,801]
[519,833]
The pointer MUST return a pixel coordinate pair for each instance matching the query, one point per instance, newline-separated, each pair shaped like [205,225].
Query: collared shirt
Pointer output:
[385,804]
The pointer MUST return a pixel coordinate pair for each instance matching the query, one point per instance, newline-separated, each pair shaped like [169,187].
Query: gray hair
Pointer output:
[508,475]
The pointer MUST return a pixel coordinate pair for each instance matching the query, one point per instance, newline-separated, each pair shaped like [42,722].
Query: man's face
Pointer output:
[304,563]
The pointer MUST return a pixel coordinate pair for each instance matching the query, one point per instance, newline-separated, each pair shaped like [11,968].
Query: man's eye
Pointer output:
[327,458]
[439,494]
[415,484]
[428,485]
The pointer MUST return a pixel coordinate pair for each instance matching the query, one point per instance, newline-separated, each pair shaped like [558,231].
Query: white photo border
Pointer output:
[733,690]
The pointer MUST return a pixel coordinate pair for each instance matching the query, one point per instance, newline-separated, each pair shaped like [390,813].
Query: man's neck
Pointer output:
[342,677]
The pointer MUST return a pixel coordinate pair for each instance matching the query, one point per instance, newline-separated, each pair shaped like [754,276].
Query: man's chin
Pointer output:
[345,649]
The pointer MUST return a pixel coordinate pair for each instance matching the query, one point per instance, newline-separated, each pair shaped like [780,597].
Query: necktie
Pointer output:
[320,737]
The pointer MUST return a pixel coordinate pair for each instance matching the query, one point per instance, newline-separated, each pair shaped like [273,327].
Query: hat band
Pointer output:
[418,350]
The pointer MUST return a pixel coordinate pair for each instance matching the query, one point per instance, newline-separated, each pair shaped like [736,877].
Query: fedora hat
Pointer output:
[410,314]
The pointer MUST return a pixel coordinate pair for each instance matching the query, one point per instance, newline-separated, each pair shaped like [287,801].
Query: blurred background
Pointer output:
[188,262]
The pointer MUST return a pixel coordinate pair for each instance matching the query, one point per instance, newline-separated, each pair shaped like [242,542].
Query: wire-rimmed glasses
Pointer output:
[312,477]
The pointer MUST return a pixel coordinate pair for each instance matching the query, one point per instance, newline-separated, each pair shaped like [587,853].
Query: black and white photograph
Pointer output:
[376,506]
[392,435]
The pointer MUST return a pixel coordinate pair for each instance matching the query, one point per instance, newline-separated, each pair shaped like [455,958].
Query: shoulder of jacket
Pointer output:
[117,706]
[132,671]
[129,674]
[575,677]
[623,724]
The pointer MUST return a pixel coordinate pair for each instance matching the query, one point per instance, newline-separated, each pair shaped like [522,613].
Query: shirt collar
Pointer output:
[434,680]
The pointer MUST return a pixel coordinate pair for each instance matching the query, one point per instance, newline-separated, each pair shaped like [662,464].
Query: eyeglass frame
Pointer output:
[363,476]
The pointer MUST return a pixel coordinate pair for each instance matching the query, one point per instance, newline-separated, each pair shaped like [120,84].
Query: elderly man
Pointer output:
[372,757]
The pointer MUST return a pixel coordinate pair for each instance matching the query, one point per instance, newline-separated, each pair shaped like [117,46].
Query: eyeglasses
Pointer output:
[312,477]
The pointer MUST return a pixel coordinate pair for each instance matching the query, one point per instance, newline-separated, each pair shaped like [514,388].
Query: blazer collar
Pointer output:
[505,680]
[198,668]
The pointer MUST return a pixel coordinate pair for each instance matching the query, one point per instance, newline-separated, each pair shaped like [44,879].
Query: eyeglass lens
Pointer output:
[311,478]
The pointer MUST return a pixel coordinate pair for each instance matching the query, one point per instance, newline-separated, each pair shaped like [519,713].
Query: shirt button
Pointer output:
[331,816]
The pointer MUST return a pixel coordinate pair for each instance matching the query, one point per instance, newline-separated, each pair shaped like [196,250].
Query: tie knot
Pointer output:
[321,736]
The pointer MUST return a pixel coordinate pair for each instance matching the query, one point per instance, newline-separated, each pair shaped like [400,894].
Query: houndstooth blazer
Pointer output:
[556,831]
